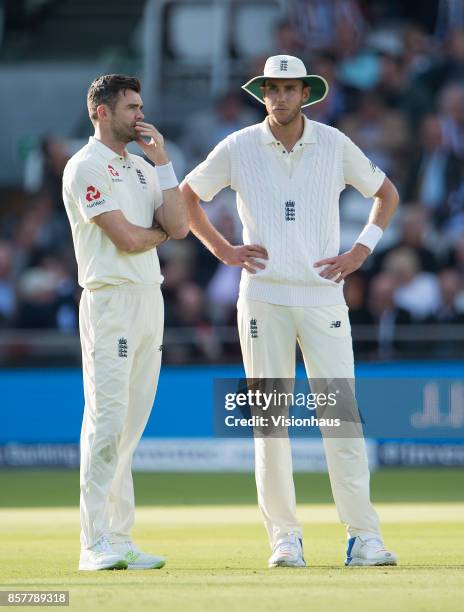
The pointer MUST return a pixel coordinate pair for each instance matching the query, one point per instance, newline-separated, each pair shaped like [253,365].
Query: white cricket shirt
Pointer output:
[288,203]
[98,180]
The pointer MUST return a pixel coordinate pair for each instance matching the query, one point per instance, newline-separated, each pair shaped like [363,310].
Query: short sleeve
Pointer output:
[359,171]
[154,181]
[213,174]
[90,189]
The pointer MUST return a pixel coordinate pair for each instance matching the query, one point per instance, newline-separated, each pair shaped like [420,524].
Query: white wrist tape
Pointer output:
[370,236]
[166,176]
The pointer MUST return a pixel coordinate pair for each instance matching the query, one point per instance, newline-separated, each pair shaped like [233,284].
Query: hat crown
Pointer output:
[284,67]
[287,67]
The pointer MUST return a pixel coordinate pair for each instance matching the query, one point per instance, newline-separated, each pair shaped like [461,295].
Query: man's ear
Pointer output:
[102,112]
[306,93]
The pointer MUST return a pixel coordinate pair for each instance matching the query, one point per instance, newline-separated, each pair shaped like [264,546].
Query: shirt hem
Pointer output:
[125,285]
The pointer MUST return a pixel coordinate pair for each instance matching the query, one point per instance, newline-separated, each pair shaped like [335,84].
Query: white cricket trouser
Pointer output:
[268,347]
[121,330]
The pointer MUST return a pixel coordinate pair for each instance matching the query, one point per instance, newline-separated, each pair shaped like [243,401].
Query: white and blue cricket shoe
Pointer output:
[288,552]
[368,551]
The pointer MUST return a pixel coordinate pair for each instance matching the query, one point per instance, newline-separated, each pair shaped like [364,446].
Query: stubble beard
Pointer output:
[290,118]
[123,133]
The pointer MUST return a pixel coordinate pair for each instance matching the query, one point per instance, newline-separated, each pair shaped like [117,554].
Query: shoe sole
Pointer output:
[158,565]
[119,565]
[287,564]
[357,562]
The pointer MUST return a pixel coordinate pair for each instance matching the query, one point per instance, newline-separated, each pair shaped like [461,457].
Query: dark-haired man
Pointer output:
[120,209]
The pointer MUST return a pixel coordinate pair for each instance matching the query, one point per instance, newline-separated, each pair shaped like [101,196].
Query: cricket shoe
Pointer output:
[135,558]
[364,551]
[101,556]
[288,552]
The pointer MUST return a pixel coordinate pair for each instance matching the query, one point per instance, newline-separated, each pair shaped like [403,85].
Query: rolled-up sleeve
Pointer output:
[359,171]
[213,174]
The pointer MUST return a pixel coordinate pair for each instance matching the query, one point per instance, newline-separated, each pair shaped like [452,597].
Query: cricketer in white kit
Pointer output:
[288,173]
[120,209]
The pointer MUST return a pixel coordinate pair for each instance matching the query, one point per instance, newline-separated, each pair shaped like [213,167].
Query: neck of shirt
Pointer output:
[288,137]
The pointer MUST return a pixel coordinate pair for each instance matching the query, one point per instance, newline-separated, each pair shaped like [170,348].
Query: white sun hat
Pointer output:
[288,67]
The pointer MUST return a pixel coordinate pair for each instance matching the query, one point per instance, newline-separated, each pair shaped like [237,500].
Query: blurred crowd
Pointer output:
[396,76]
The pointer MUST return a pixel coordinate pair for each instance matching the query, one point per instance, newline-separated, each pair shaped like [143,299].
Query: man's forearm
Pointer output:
[205,231]
[381,212]
[384,206]
[200,225]
[175,214]
[144,239]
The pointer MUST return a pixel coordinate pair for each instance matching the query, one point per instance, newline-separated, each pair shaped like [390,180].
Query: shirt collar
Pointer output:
[105,151]
[308,137]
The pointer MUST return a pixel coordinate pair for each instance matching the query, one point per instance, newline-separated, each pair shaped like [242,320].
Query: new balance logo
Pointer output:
[284,65]
[253,328]
[373,166]
[290,210]
[122,347]
[336,324]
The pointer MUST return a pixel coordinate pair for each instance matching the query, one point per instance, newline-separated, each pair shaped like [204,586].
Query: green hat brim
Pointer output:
[319,88]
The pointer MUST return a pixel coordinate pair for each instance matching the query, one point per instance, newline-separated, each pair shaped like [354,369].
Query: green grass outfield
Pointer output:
[210,530]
